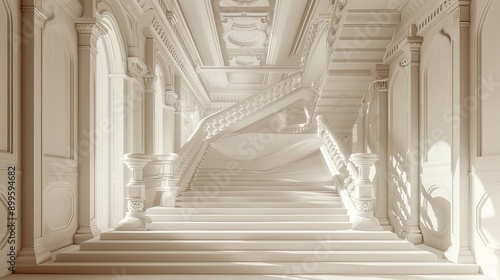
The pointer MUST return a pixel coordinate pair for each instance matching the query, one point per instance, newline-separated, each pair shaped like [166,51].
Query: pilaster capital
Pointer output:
[89,31]
[149,82]
[169,98]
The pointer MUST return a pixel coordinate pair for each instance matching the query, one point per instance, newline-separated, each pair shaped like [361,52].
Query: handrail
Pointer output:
[355,188]
[217,122]
[338,155]
[310,107]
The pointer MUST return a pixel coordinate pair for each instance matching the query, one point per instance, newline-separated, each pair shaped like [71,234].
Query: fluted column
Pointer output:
[88,33]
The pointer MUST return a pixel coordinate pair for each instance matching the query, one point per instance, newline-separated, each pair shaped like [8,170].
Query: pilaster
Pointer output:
[89,32]
[380,90]
[33,250]
[411,63]
[459,251]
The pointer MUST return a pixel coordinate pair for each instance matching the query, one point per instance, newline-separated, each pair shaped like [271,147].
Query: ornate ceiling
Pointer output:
[247,45]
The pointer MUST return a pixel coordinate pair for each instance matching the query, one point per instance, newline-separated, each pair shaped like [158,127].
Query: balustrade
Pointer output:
[353,173]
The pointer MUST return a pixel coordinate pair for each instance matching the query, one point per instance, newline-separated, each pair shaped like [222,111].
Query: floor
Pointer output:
[118,276]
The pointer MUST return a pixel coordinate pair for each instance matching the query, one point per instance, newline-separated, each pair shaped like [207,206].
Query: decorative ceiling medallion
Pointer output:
[245,31]
[239,3]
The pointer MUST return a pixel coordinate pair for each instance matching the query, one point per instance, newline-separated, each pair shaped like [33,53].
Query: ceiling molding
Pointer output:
[251,69]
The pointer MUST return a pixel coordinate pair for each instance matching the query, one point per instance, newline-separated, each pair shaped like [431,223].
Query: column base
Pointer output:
[86,233]
[412,234]
[33,255]
[134,222]
[459,255]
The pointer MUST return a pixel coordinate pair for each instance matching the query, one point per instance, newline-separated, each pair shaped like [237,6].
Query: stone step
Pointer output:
[249,226]
[249,187]
[258,193]
[216,198]
[276,204]
[236,210]
[249,245]
[248,218]
[248,235]
[254,268]
[245,256]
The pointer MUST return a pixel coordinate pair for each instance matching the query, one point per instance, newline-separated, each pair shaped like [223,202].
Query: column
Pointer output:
[361,123]
[88,33]
[459,251]
[179,125]
[140,129]
[167,159]
[32,251]
[363,196]
[411,65]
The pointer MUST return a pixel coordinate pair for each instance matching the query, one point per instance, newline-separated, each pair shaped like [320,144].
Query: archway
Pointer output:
[110,119]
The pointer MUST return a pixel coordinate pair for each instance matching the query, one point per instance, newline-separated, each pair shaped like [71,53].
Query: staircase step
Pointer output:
[249,226]
[255,268]
[217,198]
[212,204]
[248,234]
[258,193]
[245,256]
[236,210]
[248,218]
[236,186]
[249,245]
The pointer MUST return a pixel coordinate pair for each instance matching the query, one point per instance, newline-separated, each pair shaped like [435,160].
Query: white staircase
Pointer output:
[251,229]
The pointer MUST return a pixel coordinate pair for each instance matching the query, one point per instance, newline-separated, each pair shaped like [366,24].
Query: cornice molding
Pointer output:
[408,43]
[173,50]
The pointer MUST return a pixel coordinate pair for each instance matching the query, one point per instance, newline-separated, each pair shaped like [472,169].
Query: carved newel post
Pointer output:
[363,195]
[169,187]
[135,219]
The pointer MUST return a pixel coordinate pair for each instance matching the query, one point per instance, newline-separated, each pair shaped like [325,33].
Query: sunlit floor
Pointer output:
[237,277]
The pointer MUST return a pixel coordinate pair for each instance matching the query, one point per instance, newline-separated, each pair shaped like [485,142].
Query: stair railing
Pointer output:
[194,150]
[352,177]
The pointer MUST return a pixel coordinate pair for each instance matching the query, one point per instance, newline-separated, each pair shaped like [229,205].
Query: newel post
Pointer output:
[363,196]
[135,219]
